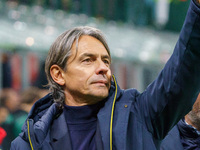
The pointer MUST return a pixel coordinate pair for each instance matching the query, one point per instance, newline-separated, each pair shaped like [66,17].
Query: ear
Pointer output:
[57,74]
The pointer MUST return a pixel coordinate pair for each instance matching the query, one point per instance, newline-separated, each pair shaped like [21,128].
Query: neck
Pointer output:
[76,100]
[74,103]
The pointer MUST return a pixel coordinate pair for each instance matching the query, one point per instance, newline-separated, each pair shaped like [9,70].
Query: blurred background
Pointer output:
[141,35]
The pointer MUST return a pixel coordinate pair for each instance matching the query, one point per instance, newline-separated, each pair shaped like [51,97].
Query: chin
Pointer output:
[101,95]
[98,93]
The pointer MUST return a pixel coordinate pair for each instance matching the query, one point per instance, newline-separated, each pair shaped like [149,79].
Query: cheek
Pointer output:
[83,78]
[109,75]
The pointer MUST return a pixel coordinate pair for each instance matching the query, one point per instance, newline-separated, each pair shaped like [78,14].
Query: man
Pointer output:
[186,134]
[86,109]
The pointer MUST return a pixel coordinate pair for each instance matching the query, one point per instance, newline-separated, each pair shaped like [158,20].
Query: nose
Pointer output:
[102,68]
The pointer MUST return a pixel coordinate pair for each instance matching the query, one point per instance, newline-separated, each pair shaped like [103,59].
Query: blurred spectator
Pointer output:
[28,98]
[11,99]
[14,110]
[41,81]
[6,71]
[3,114]
[186,134]
[2,136]
[10,102]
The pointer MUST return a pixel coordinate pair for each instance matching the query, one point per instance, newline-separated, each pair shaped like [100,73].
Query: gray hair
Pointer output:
[60,51]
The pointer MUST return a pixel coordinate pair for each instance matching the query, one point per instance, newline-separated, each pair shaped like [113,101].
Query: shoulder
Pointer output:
[19,144]
[130,93]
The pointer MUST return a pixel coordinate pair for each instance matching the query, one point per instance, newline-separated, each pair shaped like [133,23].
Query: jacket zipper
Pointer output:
[112,112]
[29,137]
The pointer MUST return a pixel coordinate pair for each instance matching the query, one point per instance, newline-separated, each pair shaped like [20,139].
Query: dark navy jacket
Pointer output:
[172,141]
[181,137]
[141,120]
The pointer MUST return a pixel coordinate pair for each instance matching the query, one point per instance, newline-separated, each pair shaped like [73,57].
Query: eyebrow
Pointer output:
[94,55]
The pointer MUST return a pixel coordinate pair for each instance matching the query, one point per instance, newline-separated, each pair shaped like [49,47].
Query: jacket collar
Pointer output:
[122,110]
[37,111]
[59,136]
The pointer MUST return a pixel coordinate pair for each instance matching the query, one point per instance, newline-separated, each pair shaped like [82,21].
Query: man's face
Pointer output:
[88,75]
[196,107]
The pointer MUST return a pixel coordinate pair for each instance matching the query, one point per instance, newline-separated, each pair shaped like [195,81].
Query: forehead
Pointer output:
[88,44]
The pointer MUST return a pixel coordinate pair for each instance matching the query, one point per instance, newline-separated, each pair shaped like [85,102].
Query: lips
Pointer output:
[101,82]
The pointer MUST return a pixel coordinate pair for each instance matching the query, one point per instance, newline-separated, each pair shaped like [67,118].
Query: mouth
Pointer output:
[101,82]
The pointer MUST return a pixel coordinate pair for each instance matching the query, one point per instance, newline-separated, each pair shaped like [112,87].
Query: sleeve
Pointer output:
[172,94]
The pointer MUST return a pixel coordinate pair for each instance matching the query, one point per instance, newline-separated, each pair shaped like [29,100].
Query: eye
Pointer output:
[106,62]
[87,60]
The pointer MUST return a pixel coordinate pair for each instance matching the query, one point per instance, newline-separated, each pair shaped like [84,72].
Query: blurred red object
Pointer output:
[2,135]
